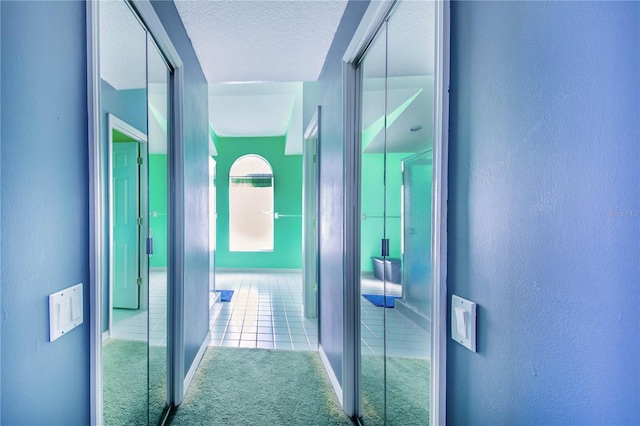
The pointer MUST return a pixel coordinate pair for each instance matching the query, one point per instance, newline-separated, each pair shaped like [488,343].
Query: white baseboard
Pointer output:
[196,363]
[332,376]
[105,335]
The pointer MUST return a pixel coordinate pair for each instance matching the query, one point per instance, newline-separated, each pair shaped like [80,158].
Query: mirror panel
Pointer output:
[410,61]
[373,229]
[123,98]
[397,130]
[157,90]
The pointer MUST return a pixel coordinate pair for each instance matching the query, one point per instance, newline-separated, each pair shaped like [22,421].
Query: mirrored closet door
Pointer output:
[396,177]
[133,107]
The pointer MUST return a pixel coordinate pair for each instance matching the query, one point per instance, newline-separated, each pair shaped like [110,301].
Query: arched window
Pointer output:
[251,204]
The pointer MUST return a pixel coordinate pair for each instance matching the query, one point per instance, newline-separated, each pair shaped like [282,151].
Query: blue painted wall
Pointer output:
[327,92]
[196,151]
[544,202]
[44,212]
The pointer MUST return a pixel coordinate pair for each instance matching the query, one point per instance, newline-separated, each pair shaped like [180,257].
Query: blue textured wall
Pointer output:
[196,151]
[327,92]
[544,211]
[44,212]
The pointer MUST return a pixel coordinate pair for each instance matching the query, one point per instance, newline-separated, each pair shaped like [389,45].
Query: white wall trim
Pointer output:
[196,362]
[438,408]
[151,21]
[371,21]
[332,376]
[351,244]
[175,166]
[96,213]
[125,128]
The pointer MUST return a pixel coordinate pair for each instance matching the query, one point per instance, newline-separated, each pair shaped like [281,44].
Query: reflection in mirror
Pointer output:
[397,130]
[158,231]
[373,119]
[410,86]
[123,98]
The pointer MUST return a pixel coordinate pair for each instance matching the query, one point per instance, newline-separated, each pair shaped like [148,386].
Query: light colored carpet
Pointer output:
[408,391]
[124,390]
[260,387]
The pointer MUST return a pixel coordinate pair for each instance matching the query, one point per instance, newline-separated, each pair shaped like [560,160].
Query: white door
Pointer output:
[125,212]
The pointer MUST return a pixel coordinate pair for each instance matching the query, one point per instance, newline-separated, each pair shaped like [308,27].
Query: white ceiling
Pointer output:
[257,40]
[258,109]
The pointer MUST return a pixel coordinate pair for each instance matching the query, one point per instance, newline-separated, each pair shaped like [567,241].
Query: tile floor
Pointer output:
[130,324]
[264,312]
[404,337]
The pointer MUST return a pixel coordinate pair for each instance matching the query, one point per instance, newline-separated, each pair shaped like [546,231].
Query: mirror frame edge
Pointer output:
[438,391]
[96,211]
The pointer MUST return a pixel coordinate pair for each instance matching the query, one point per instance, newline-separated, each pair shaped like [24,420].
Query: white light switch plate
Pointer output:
[463,322]
[65,311]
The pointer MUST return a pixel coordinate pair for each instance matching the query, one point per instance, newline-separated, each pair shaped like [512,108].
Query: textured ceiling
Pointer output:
[123,44]
[257,40]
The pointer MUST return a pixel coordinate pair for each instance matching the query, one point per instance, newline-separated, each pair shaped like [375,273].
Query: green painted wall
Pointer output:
[373,207]
[287,174]
[158,203]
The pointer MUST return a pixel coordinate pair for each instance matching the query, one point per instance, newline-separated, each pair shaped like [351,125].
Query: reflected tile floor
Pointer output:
[404,337]
[131,324]
[265,312]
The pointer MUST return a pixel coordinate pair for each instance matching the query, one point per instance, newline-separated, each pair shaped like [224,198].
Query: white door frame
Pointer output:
[310,204]
[98,204]
[374,17]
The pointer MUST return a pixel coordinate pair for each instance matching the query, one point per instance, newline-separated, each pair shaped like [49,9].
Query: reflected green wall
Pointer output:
[287,173]
[158,204]
[372,205]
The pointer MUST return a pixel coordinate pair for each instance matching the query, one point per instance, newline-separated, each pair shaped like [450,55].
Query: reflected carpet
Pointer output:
[124,382]
[260,387]
[408,381]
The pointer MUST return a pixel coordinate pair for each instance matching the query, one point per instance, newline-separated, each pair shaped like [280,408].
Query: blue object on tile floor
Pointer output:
[377,299]
[225,295]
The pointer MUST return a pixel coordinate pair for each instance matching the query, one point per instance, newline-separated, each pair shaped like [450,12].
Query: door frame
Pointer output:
[97,151]
[115,123]
[311,198]
[371,22]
